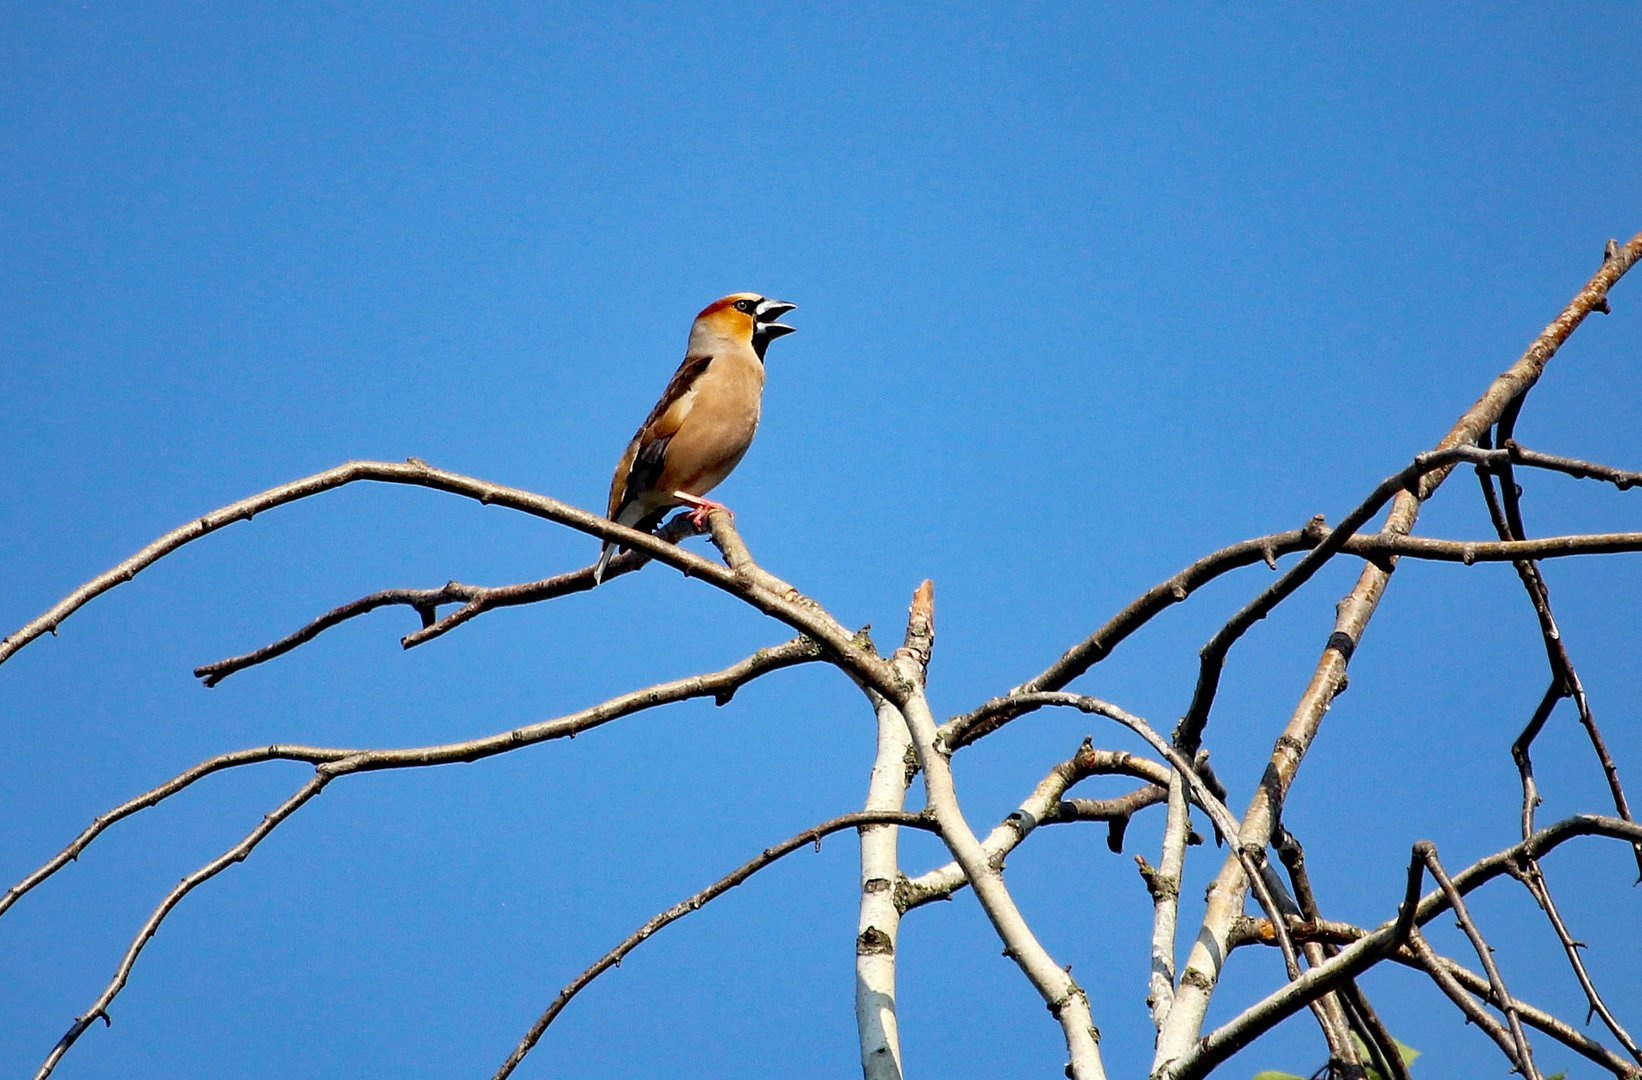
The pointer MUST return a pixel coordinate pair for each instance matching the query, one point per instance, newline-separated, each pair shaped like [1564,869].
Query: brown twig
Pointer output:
[1182,1038]
[1099,645]
[1353,1006]
[1378,944]
[1505,511]
[994,713]
[720,685]
[1189,734]
[475,600]
[237,853]
[1623,479]
[1532,876]
[695,902]
[751,585]
[1258,931]
[1523,1057]
[1428,961]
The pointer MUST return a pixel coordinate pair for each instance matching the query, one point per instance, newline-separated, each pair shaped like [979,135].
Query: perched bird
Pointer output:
[705,420]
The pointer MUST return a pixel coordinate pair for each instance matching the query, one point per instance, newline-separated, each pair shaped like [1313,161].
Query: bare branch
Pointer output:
[475,600]
[750,584]
[1474,1012]
[1097,646]
[237,853]
[719,685]
[879,922]
[1181,1037]
[1258,931]
[1532,876]
[1047,805]
[1350,1009]
[1506,513]
[1522,1057]
[1371,948]
[695,902]
[1164,886]
[994,713]
[1253,858]
[1505,510]
[1623,479]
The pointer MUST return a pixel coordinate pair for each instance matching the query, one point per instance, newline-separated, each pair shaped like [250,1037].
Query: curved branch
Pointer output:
[1352,616]
[720,685]
[237,853]
[812,835]
[1189,736]
[1045,806]
[752,586]
[475,600]
[1258,931]
[1375,946]
[994,713]
[965,729]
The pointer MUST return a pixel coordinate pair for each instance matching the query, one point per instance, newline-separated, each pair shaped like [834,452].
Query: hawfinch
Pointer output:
[705,419]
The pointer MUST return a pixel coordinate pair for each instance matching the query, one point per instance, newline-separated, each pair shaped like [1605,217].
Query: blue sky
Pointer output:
[1085,293]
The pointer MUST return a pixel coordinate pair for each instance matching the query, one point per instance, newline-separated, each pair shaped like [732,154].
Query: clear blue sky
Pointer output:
[1084,293]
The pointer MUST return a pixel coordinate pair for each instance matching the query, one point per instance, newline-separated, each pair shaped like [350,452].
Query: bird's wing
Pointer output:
[642,463]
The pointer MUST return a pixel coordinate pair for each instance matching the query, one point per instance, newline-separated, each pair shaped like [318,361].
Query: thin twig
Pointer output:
[720,685]
[475,600]
[1351,1006]
[1189,735]
[994,713]
[237,853]
[1258,931]
[1368,950]
[1532,876]
[1182,1038]
[695,902]
[1505,511]
[1523,1058]
[1046,805]
[1623,479]
[1474,1012]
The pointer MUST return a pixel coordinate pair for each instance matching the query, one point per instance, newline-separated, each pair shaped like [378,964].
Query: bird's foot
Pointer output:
[703,507]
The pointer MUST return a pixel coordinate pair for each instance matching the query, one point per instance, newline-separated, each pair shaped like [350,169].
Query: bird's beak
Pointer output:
[766,314]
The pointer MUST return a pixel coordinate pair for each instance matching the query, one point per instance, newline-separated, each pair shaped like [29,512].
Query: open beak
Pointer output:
[765,316]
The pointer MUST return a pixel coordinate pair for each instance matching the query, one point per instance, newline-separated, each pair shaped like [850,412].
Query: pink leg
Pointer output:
[703,507]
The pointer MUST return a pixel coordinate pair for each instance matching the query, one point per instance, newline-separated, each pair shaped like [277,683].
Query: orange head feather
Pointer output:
[742,318]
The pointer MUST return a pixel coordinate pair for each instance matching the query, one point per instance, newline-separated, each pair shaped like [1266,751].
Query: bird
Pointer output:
[701,428]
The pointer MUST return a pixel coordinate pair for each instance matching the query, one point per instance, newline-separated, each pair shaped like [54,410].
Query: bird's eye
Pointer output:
[744,305]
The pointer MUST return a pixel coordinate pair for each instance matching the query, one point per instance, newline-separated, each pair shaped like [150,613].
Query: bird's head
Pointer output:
[744,318]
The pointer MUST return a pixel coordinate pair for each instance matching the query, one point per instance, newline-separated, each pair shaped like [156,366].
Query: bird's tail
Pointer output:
[605,555]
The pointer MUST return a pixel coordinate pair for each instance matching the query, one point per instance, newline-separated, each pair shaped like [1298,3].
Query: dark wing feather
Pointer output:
[642,463]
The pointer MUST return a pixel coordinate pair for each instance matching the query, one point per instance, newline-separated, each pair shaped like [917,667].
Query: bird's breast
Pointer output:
[722,420]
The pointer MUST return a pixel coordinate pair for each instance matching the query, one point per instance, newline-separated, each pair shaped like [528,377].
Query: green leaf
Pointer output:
[1273,1074]
[1404,1051]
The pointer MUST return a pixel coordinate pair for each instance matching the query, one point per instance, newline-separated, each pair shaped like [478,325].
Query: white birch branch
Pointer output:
[879,924]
